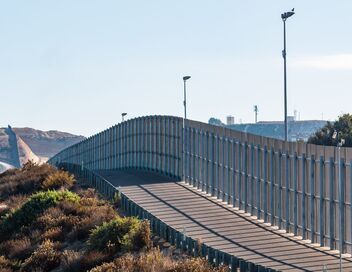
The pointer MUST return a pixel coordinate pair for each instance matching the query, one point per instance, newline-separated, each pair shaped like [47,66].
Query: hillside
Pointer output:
[18,145]
[45,144]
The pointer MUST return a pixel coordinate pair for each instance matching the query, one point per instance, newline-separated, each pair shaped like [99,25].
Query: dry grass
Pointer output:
[17,248]
[5,264]
[92,259]
[153,261]
[45,258]
[71,260]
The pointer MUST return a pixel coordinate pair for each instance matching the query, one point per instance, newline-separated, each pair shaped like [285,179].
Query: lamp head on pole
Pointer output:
[186,78]
[288,14]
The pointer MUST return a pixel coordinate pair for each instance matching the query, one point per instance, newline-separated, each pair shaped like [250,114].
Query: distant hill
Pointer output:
[46,144]
[18,145]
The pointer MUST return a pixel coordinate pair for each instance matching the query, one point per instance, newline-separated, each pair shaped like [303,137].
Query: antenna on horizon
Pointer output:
[256,110]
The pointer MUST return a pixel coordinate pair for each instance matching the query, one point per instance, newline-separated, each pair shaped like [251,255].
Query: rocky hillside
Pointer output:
[45,144]
[18,145]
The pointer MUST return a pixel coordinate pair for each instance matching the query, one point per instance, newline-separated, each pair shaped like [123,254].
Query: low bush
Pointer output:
[34,206]
[197,265]
[45,258]
[118,235]
[16,248]
[71,260]
[15,201]
[58,179]
[92,259]
[54,234]
[26,180]
[142,239]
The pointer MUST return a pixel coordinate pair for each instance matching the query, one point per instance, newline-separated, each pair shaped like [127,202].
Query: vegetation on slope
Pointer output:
[343,128]
[49,223]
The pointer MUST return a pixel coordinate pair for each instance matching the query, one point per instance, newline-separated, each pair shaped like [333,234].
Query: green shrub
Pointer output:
[120,234]
[34,206]
[343,127]
[143,236]
[45,258]
[57,180]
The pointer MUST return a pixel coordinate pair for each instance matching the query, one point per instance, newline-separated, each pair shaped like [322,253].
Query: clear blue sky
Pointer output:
[76,65]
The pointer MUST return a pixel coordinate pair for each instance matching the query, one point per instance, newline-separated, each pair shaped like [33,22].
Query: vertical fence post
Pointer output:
[233,193]
[194,159]
[245,170]
[287,194]
[321,202]
[168,150]
[258,183]
[304,197]
[239,180]
[265,182]
[251,193]
[189,152]
[212,167]
[229,171]
[217,179]
[223,187]
[272,184]
[342,204]
[208,163]
[312,197]
[279,183]
[331,204]
[295,193]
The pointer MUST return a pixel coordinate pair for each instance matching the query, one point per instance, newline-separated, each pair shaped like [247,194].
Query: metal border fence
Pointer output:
[293,186]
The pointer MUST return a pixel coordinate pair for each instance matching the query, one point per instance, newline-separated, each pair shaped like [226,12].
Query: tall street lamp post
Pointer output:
[185,78]
[123,116]
[284,17]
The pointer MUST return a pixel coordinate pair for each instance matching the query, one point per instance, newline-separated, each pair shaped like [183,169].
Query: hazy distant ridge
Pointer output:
[18,145]
[45,144]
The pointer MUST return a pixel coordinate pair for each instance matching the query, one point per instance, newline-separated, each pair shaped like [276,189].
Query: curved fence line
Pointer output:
[294,186]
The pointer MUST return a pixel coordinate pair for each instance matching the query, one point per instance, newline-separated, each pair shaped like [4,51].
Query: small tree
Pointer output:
[343,126]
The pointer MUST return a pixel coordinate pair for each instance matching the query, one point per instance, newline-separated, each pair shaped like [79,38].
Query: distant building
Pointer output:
[291,119]
[230,120]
